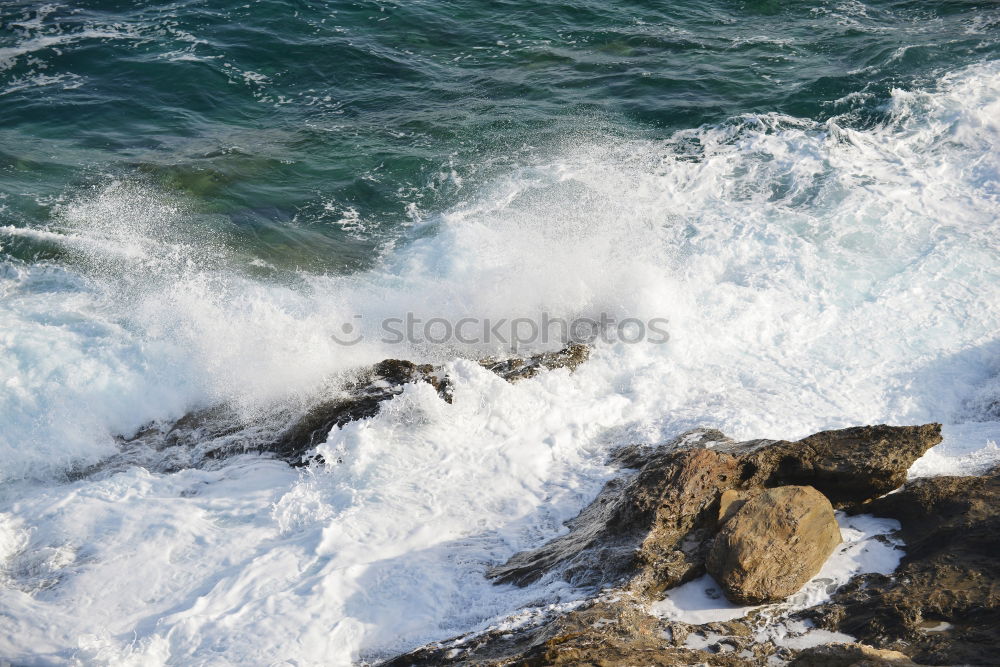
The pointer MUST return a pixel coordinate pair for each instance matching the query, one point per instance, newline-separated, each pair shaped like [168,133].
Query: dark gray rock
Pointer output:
[219,432]
[942,605]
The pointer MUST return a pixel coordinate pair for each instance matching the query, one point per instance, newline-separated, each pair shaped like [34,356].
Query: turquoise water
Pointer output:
[283,117]
[196,198]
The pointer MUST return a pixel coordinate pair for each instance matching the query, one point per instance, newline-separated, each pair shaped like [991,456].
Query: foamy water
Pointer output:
[814,276]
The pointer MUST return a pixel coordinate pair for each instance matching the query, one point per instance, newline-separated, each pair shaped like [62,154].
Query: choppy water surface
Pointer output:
[194,196]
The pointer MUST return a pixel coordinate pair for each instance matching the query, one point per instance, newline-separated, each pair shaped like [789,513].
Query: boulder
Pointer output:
[731,501]
[773,544]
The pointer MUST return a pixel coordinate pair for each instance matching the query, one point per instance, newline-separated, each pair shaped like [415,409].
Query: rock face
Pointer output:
[942,605]
[773,544]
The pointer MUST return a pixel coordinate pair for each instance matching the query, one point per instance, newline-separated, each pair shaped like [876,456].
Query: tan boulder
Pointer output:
[773,544]
[731,501]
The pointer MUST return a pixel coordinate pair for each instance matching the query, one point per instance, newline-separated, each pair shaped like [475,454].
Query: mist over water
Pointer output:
[194,201]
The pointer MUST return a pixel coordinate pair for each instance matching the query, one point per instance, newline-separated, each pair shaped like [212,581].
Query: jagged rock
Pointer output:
[387,379]
[361,401]
[219,431]
[942,604]
[637,527]
[652,528]
[604,633]
[773,544]
[850,655]
[848,466]
[522,368]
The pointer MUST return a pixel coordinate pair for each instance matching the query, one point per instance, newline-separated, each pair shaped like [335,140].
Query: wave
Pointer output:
[814,275]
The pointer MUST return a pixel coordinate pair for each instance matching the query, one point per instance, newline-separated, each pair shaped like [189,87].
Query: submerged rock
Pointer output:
[942,604]
[360,401]
[387,379]
[522,368]
[773,544]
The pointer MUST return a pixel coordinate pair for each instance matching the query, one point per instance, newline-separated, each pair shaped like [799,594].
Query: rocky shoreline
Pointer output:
[758,516]
[662,525]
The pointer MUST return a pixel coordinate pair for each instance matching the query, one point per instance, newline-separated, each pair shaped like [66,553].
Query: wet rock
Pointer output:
[360,401]
[387,379]
[522,368]
[848,466]
[649,528]
[219,432]
[850,655]
[653,528]
[773,544]
[942,605]
[605,633]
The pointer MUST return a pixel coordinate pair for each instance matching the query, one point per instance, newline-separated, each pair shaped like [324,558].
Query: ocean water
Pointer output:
[196,197]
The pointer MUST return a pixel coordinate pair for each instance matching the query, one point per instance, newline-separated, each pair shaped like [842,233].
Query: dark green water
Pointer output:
[314,132]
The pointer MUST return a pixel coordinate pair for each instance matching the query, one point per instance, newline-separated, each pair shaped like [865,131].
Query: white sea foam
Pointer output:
[814,276]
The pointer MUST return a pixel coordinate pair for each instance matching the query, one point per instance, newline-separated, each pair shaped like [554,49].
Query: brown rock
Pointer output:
[605,633]
[730,502]
[773,544]
[848,466]
[649,529]
[652,529]
[850,655]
